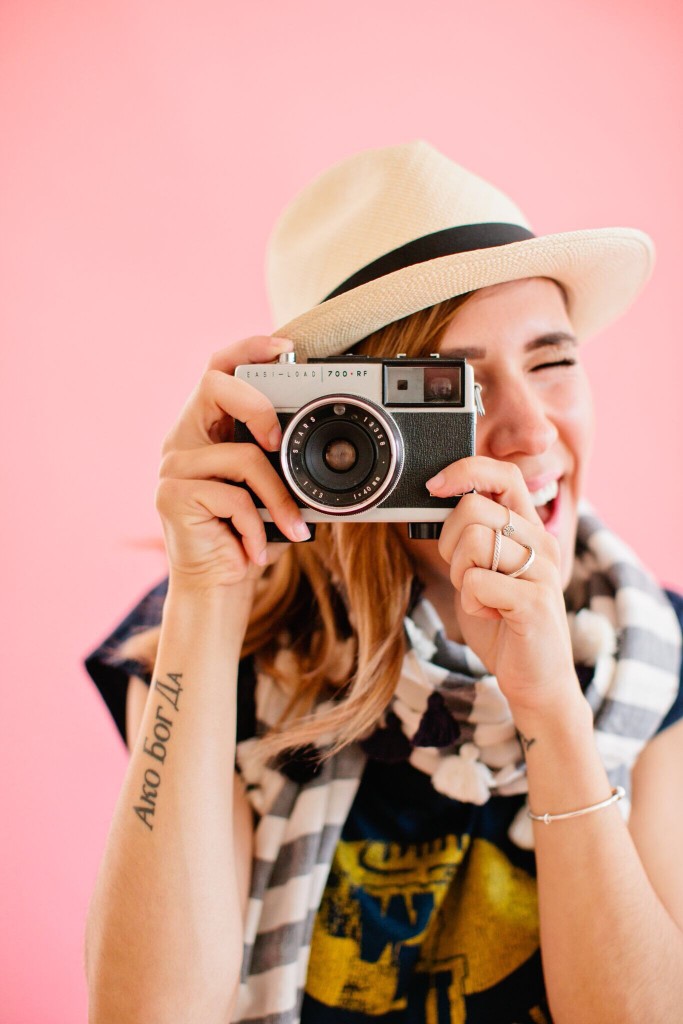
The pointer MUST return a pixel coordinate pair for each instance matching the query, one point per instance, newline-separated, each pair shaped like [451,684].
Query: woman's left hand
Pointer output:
[517,627]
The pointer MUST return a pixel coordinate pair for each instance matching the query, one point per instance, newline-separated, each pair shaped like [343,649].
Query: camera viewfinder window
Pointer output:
[421,384]
[442,385]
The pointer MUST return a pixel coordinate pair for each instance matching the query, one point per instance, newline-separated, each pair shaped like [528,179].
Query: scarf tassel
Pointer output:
[437,726]
[463,777]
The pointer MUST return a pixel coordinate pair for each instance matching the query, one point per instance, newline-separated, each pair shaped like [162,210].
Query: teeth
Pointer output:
[545,494]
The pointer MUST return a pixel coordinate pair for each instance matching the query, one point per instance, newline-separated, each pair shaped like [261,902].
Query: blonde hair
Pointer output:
[327,617]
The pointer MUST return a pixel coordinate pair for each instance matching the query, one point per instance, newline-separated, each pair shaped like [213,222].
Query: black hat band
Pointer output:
[465,238]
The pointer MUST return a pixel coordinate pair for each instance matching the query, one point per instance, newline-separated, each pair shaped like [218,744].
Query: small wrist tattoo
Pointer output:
[526,743]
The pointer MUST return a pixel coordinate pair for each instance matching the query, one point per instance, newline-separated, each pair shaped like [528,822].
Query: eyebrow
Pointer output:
[543,341]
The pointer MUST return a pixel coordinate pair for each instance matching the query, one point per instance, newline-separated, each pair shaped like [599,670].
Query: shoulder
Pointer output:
[676,601]
[675,713]
[656,820]
[111,664]
[120,656]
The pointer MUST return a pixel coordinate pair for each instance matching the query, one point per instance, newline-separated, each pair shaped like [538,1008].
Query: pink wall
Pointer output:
[147,149]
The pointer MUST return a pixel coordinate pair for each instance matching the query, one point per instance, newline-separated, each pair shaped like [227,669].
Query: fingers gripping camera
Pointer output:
[361,435]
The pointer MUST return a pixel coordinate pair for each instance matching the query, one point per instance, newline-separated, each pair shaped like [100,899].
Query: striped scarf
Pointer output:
[449,719]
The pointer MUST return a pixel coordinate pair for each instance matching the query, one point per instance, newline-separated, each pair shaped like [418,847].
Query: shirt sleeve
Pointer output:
[675,712]
[110,670]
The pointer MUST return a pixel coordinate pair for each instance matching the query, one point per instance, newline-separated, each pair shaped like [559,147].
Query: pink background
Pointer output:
[147,149]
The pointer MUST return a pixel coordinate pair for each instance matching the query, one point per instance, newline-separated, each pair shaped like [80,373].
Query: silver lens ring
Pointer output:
[376,490]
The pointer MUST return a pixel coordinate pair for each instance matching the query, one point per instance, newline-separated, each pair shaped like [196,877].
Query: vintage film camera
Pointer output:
[361,435]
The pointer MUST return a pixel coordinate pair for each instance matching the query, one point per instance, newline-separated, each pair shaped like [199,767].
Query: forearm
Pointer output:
[610,950]
[164,931]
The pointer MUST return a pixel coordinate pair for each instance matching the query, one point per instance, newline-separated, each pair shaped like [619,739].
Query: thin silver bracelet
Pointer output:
[617,793]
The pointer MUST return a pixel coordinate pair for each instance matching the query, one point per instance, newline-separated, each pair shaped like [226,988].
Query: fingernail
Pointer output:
[274,437]
[282,344]
[300,530]
[436,481]
[262,557]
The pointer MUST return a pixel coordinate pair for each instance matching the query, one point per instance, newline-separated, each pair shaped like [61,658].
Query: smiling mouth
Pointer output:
[544,500]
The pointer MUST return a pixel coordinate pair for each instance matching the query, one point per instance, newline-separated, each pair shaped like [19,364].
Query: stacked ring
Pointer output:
[497,544]
[527,564]
[496,551]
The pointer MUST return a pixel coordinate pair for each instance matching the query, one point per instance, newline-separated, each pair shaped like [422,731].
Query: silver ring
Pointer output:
[496,551]
[509,529]
[527,564]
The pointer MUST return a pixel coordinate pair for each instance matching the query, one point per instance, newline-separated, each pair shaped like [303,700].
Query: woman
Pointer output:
[435,739]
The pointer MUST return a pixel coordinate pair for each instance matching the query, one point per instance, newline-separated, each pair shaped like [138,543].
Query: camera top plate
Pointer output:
[425,385]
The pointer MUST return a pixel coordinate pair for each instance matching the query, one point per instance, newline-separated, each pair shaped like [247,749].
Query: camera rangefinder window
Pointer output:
[424,384]
[442,384]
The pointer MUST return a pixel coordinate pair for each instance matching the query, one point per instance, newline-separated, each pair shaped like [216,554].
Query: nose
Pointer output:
[516,423]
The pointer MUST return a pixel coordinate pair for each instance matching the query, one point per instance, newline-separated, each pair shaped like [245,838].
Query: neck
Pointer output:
[432,570]
[440,593]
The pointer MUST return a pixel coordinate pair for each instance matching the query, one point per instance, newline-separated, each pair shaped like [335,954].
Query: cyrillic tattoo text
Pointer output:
[157,748]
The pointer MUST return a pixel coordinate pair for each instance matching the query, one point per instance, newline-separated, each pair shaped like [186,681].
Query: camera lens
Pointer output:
[341,454]
[345,438]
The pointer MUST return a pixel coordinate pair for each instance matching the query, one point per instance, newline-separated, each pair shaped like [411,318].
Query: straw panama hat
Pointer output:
[390,231]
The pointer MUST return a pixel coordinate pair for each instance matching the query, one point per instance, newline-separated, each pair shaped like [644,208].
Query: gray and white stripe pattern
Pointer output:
[621,622]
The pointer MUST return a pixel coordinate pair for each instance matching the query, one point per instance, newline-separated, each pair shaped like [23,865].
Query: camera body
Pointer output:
[362,434]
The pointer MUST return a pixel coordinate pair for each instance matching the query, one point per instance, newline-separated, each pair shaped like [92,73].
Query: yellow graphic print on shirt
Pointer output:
[457,908]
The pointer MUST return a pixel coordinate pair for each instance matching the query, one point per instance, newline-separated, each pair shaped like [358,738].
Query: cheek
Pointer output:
[576,424]
[579,428]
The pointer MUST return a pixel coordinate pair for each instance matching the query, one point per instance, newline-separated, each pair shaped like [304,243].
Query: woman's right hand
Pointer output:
[201,465]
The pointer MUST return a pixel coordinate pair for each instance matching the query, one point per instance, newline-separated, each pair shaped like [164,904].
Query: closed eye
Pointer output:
[559,362]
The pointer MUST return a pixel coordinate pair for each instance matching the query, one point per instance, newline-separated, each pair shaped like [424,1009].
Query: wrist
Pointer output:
[561,723]
[564,768]
[230,605]
[202,589]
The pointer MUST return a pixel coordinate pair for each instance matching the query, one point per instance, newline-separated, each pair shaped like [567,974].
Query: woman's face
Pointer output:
[539,415]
